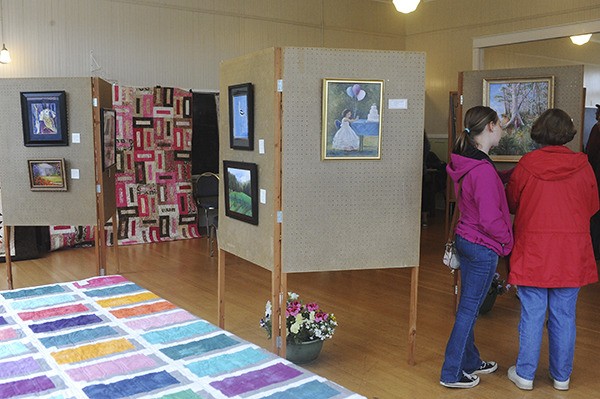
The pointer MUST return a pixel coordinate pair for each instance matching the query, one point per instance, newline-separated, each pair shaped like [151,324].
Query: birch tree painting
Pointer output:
[518,102]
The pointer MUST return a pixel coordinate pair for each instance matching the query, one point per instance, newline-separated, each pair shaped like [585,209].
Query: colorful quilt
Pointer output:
[106,337]
[154,193]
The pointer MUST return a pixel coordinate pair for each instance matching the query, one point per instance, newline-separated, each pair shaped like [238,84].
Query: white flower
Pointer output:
[295,328]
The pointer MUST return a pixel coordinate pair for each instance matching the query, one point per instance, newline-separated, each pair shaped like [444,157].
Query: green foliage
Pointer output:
[518,142]
[236,185]
[240,203]
[338,100]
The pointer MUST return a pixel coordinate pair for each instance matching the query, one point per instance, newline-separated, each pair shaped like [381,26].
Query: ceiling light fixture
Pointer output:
[580,40]
[4,54]
[406,6]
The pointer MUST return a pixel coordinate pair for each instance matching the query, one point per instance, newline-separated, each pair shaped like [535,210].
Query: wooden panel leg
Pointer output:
[221,288]
[412,324]
[7,237]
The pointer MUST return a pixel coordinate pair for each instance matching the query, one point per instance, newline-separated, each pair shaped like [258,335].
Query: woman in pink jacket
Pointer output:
[483,233]
[553,194]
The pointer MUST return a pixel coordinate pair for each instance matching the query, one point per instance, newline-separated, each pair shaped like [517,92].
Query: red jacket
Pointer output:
[553,194]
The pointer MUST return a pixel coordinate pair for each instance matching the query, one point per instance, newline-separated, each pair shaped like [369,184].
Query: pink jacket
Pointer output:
[484,217]
[553,194]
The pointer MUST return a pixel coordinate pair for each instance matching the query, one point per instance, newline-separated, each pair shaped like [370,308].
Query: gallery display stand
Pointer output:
[103,187]
[289,236]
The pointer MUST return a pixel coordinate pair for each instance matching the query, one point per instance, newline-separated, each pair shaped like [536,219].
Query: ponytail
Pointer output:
[476,119]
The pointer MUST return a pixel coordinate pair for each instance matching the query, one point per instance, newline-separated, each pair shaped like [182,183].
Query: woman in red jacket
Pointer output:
[553,194]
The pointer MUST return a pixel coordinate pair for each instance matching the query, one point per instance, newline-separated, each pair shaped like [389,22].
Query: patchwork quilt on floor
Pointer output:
[106,337]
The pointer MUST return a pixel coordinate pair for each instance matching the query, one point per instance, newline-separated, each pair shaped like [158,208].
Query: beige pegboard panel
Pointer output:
[23,207]
[351,214]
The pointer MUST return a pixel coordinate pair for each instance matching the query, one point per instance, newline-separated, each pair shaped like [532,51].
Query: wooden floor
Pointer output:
[368,353]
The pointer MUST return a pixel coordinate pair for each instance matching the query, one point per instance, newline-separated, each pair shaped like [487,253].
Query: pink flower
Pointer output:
[312,307]
[293,308]
[321,316]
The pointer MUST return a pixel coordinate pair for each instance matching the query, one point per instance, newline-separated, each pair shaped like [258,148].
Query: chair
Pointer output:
[206,194]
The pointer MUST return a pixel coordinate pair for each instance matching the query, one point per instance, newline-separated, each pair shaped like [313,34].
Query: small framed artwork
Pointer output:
[47,174]
[352,117]
[108,126]
[518,103]
[241,117]
[241,191]
[44,116]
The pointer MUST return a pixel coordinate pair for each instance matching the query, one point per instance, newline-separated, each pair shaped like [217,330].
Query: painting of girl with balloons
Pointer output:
[351,124]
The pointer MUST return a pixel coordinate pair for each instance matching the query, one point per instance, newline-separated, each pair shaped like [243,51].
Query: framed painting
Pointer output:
[241,191]
[44,116]
[351,120]
[241,116]
[108,126]
[47,174]
[518,102]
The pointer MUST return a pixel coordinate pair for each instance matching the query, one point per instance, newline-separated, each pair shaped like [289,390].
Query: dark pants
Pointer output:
[595,231]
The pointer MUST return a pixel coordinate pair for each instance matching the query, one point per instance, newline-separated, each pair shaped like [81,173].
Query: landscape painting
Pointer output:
[47,175]
[241,190]
[518,103]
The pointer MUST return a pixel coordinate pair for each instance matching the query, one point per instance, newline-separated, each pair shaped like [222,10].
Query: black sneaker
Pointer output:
[467,381]
[486,368]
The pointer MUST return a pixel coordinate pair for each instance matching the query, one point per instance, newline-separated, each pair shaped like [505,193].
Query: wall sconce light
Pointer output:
[580,40]
[4,54]
[406,6]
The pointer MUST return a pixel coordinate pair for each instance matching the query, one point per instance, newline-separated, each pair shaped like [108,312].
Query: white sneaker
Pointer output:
[466,381]
[561,385]
[520,382]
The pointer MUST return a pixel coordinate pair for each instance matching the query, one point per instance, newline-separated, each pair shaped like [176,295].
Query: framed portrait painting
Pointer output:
[241,190]
[518,103]
[241,116]
[47,174]
[351,120]
[44,116]
[108,126]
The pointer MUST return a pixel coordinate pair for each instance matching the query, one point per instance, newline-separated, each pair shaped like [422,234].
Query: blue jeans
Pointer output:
[560,304]
[477,268]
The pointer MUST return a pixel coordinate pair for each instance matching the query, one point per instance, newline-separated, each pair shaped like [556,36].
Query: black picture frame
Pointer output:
[241,191]
[241,116]
[108,127]
[44,116]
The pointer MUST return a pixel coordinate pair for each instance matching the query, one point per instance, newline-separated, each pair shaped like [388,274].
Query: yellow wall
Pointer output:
[445,31]
[182,42]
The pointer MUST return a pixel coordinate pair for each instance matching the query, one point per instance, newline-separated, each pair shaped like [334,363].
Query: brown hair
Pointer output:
[476,119]
[553,127]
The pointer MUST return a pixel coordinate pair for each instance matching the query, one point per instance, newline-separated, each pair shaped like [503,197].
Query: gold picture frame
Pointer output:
[47,174]
[518,103]
[352,118]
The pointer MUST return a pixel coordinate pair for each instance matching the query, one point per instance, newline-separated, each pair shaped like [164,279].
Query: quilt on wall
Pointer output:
[153,181]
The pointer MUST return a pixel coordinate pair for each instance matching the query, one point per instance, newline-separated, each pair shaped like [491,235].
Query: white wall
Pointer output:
[180,42]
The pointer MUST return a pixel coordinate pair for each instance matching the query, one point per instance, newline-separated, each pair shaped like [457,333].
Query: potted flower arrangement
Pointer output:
[498,287]
[307,327]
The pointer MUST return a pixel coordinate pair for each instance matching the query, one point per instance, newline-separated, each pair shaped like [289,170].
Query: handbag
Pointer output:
[451,258]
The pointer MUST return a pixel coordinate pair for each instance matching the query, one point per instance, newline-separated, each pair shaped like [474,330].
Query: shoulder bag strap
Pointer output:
[455,214]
